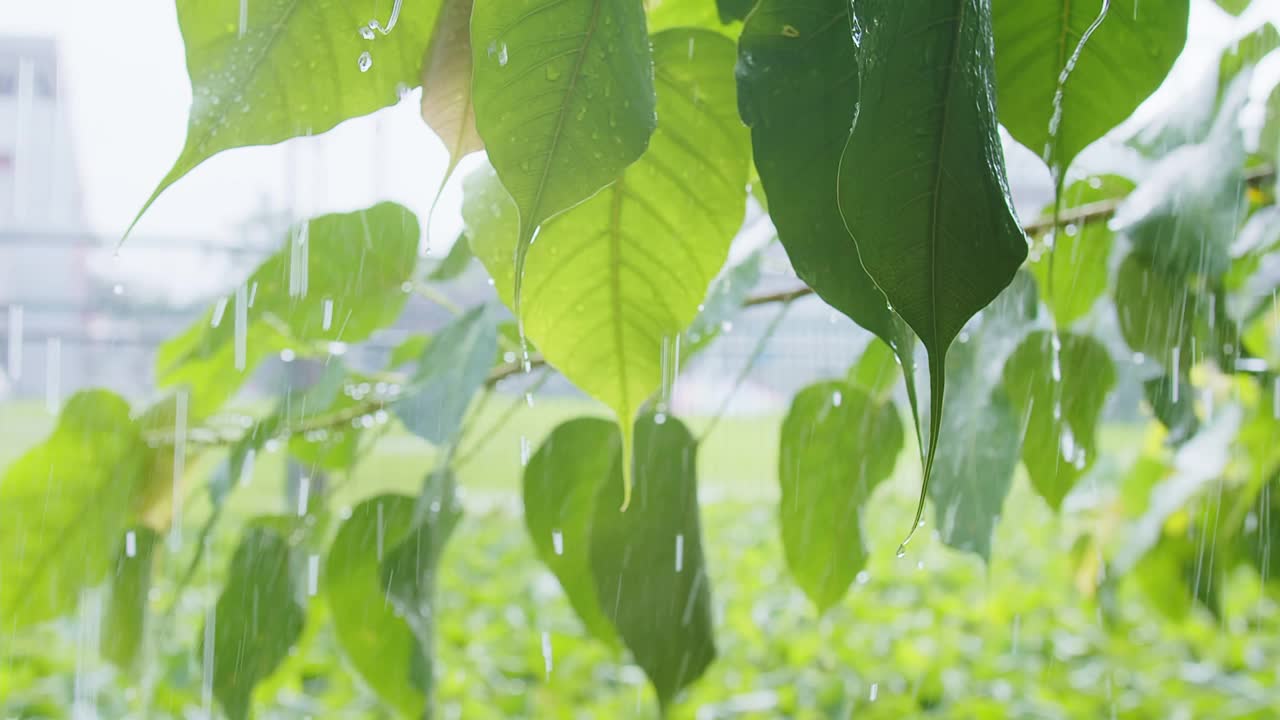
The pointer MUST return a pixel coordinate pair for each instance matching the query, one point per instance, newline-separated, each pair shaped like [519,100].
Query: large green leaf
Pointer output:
[798,91]
[639,574]
[269,70]
[564,100]
[1073,271]
[1057,384]
[125,619]
[613,281]
[561,483]
[382,645]
[63,508]
[837,444]
[973,473]
[922,184]
[449,373]
[1167,319]
[346,283]
[647,563]
[1068,71]
[256,620]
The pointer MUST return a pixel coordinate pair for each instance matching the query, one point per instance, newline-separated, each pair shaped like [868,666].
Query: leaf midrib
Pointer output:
[615,289]
[558,130]
[938,175]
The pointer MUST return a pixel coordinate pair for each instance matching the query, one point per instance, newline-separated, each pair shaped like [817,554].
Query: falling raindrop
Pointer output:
[298,261]
[130,544]
[304,494]
[219,309]
[679,552]
[327,315]
[875,691]
[313,575]
[365,61]
[837,398]
[244,18]
[524,451]
[557,541]
[546,652]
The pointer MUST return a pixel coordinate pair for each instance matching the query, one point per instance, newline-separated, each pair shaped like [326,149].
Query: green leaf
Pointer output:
[1079,67]
[334,447]
[647,562]
[724,301]
[64,506]
[1057,385]
[255,622]
[446,85]
[704,14]
[731,10]
[973,472]
[1235,7]
[837,445]
[561,483]
[288,68]
[339,278]
[876,370]
[1164,318]
[408,350]
[564,99]
[798,91]
[1185,214]
[922,184]
[128,597]
[385,648]
[613,281]
[1172,399]
[450,372]
[1080,253]
[1269,137]
[455,263]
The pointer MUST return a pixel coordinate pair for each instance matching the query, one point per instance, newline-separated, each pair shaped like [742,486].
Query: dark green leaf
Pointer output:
[342,281]
[798,91]
[837,444]
[383,646]
[255,622]
[64,506]
[269,70]
[1164,318]
[731,10]
[564,100]
[1057,385]
[1080,253]
[1068,71]
[129,586]
[647,562]
[922,184]
[450,372]
[612,283]
[455,262]
[561,483]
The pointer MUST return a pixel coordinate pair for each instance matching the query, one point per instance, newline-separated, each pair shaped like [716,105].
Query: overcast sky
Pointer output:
[127,93]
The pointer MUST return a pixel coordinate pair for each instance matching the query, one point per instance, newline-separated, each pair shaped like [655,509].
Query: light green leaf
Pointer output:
[561,483]
[64,506]
[672,14]
[382,646]
[564,99]
[125,619]
[922,185]
[455,263]
[876,370]
[647,562]
[338,279]
[1057,385]
[973,472]
[288,68]
[1080,253]
[1079,67]
[1269,137]
[1185,214]
[1235,7]
[613,281]
[256,620]
[837,444]
[446,84]
[453,368]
